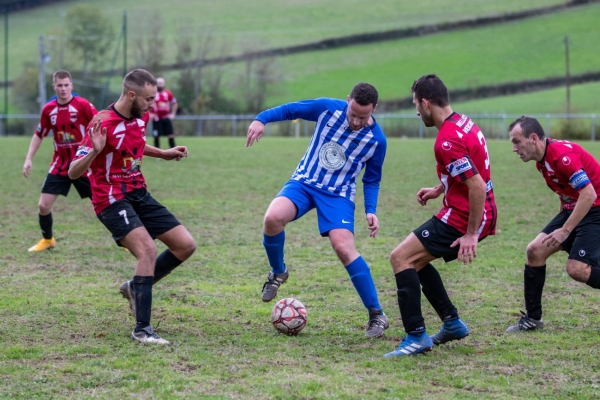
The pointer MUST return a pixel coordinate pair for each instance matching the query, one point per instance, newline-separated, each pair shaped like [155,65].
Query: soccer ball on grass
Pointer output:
[289,316]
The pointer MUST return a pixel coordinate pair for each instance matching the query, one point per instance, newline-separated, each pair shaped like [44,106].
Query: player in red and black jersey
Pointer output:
[468,215]
[65,119]
[112,153]
[163,112]
[574,175]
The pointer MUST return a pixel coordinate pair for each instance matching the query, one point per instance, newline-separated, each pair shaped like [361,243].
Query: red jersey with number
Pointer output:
[66,123]
[568,168]
[116,170]
[162,104]
[460,153]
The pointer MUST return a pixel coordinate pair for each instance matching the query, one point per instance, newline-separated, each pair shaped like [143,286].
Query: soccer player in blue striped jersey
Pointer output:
[346,139]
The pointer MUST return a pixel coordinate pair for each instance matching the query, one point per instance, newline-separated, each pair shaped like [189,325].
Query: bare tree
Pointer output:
[148,50]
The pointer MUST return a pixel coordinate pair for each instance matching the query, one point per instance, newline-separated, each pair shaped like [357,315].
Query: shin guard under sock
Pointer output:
[274,248]
[142,291]
[409,301]
[46,225]
[436,294]
[165,263]
[534,279]
[360,275]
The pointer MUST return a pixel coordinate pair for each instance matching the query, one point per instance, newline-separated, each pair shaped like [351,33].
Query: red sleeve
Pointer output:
[44,127]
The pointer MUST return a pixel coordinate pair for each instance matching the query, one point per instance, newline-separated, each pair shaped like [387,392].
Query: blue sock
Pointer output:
[360,275]
[274,248]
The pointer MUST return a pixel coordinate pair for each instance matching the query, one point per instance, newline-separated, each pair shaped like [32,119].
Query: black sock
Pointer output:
[409,301]
[171,142]
[165,263]
[46,225]
[142,291]
[534,279]
[594,280]
[435,292]
[157,142]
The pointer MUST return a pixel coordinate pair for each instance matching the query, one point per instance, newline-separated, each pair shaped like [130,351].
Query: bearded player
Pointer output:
[112,152]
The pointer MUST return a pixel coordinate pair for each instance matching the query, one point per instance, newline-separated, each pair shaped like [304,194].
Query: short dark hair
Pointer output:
[364,94]
[137,79]
[61,74]
[431,88]
[528,125]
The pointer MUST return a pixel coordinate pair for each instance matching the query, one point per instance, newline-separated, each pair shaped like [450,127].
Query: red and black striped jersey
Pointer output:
[117,169]
[460,153]
[162,104]
[66,123]
[567,168]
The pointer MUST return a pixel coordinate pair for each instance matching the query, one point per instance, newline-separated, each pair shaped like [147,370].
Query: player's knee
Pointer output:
[534,252]
[188,248]
[397,256]
[44,208]
[273,221]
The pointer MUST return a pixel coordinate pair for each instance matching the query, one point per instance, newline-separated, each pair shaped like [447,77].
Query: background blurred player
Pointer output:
[346,139]
[163,112]
[573,174]
[65,117]
[468,215]
[113,152]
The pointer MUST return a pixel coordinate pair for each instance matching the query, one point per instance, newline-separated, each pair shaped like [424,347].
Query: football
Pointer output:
[289,316]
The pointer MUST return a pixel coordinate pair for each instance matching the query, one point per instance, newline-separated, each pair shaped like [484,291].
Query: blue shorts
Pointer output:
[333,211]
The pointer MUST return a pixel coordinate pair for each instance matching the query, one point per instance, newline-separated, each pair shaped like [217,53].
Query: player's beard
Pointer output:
[136,110]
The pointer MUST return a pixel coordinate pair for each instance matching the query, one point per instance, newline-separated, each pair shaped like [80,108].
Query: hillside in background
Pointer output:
[530,49]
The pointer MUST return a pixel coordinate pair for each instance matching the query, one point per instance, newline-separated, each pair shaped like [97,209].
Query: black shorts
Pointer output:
[583,244]
[137,209]
[163,127]
[56,184]
[437,237]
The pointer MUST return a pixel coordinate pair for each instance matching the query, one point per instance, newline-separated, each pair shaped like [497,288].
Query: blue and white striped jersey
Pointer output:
[336,154]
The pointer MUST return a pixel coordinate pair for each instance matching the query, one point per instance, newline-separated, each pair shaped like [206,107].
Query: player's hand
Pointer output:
[425,194]
[556,238]
[255,132]
[97,135]
[467,250]
[176,153]
[373,222]
[27,168]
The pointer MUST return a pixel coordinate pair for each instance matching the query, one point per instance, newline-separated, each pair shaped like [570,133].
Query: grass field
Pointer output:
[65,327]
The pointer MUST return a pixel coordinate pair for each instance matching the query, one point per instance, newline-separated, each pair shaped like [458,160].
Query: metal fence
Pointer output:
[494,126]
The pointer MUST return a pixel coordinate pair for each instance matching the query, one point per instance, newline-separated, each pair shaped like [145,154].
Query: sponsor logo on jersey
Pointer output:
[463,119]
[566,160]
[65,137]
[446,145]
[131,164]
[459,166]
[579,179]
[469,125]
[489,186]
[332,156]
[83,151]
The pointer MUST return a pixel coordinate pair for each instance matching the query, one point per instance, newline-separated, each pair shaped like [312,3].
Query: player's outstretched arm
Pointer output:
[255,132]
[176,153]
[34,146]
